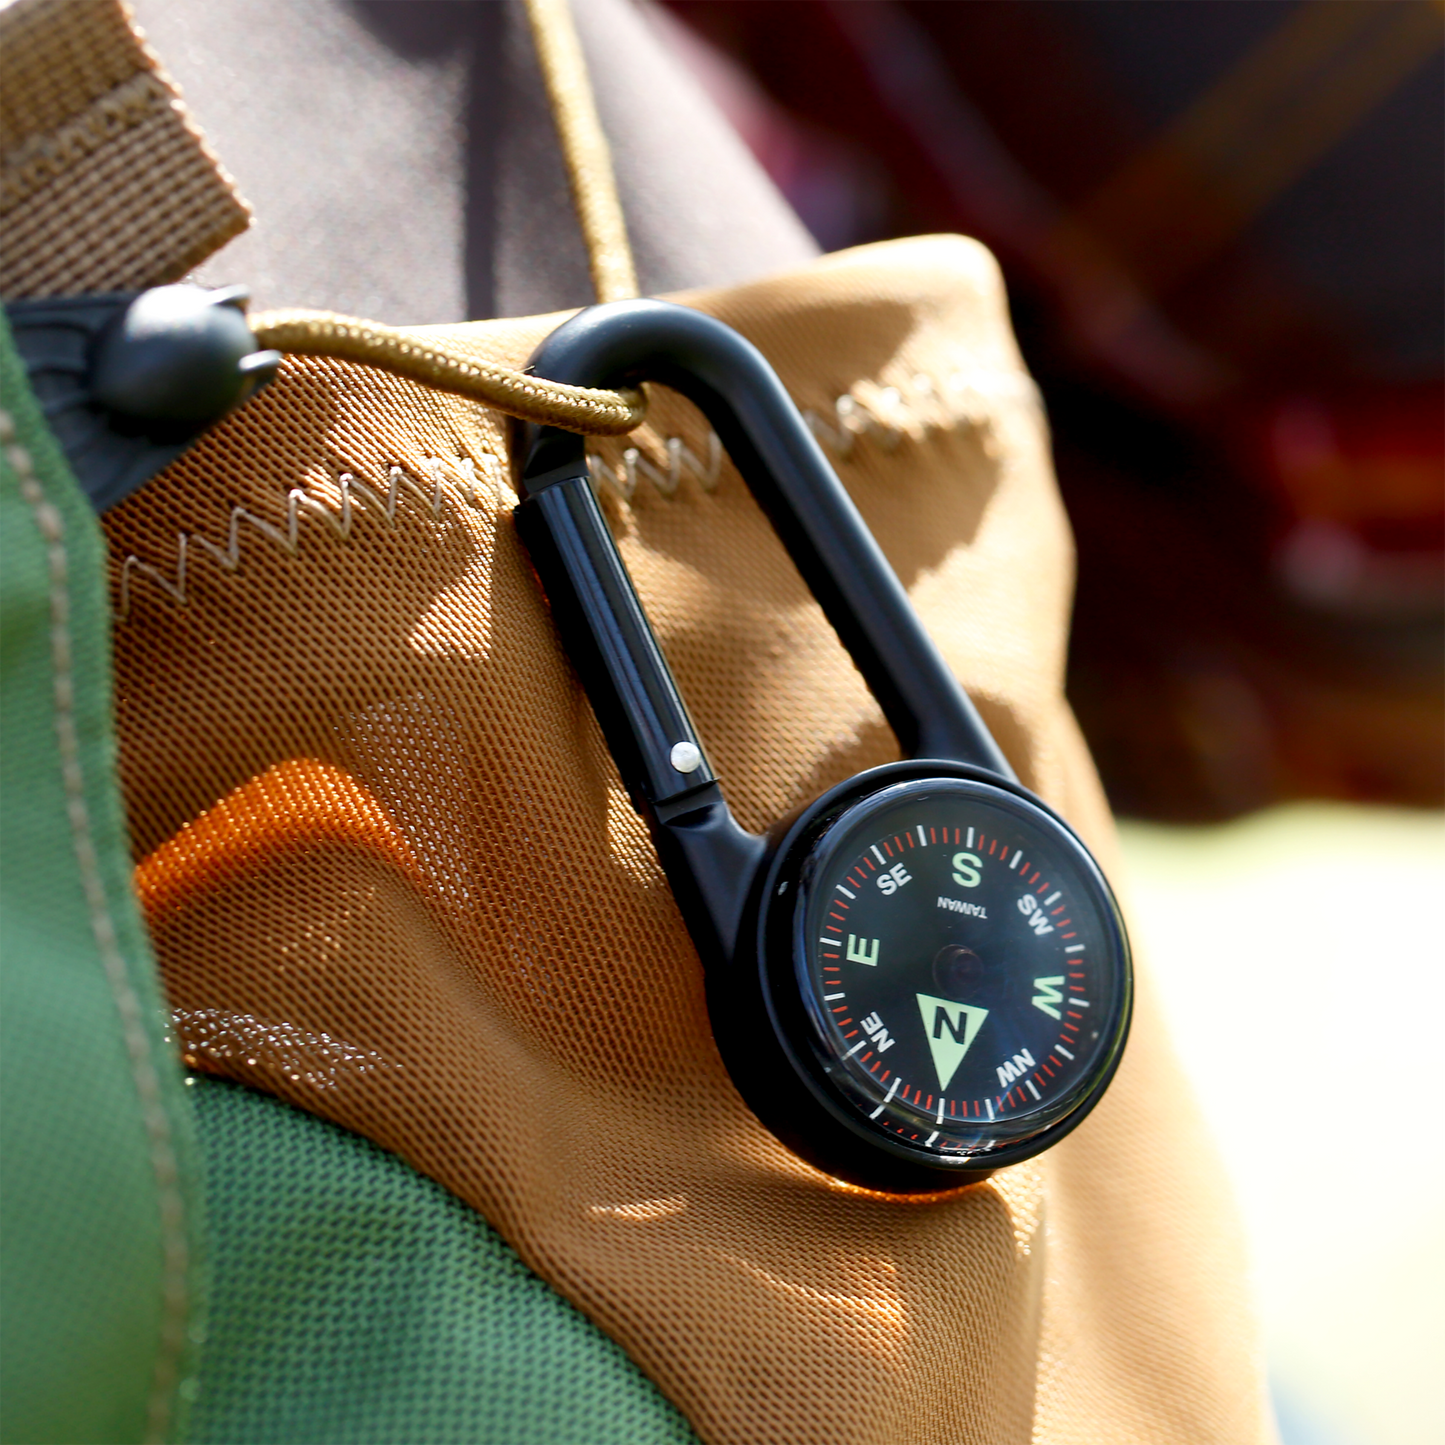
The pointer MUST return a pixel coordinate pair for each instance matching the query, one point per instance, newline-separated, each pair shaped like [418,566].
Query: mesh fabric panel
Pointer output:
[393,878]
[354,1300]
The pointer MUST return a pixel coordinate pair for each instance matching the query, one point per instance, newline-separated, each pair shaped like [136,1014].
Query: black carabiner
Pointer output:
[769,916]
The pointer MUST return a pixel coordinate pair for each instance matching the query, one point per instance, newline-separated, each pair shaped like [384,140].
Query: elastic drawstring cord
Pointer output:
[574,408]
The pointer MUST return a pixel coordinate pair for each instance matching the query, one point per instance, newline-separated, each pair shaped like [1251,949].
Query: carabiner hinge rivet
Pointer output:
[685,757]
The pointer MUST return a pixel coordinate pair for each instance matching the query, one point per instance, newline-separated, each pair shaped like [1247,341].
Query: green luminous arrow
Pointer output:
[951,1029]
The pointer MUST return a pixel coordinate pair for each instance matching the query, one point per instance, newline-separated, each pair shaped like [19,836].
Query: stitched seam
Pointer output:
[966,399]
[680,456]
[40,158]
[339,518]
[175,1245]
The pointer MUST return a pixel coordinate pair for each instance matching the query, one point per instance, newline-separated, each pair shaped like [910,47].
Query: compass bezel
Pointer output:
[782,1069]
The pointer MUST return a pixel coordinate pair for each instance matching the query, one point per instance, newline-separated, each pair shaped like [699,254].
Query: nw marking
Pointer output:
[1007,1072]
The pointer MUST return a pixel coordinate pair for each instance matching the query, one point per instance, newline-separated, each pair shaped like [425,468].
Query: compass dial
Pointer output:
[963,972]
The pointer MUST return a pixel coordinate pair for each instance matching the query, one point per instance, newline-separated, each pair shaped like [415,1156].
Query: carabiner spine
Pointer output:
[710,861]
[595,605]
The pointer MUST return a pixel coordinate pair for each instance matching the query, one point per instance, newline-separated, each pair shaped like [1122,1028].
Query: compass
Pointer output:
[920,977]
[940,961]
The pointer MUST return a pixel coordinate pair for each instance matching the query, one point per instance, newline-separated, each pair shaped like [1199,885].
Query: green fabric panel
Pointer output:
[94,1125]
[355,1300]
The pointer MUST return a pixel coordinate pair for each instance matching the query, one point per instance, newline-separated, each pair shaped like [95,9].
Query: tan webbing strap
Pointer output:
[106,184]
[584,149]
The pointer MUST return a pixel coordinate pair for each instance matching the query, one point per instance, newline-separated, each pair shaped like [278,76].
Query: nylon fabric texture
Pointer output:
[355,1301]
[392,876]
[99,1252]
[106,184]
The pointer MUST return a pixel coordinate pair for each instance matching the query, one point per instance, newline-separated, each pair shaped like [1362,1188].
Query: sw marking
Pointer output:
[954,905]
[1032,909]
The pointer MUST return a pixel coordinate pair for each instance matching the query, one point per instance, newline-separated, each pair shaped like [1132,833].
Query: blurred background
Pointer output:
[1222,226]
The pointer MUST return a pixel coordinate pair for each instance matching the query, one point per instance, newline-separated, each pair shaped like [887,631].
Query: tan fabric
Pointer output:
[105,183]
[392,876]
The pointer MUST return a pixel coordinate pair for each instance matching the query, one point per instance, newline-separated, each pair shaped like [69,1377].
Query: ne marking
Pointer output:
[1060,1049]
[1016,858]
[878,855]
[844,891]
[864,1040]
[1074,948]
[922,841]
[892,1089]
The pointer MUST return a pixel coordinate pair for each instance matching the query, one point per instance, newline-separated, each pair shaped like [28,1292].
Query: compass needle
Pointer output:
[951,1029]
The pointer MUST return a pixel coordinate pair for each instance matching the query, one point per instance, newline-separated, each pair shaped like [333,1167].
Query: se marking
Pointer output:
[893,879]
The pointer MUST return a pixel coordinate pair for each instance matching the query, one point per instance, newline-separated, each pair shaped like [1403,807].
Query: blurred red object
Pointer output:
[1221,226]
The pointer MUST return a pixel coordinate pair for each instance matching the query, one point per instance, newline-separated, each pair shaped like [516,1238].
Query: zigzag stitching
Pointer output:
[851,420]
[679,455]
[854,417]
[298,500]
